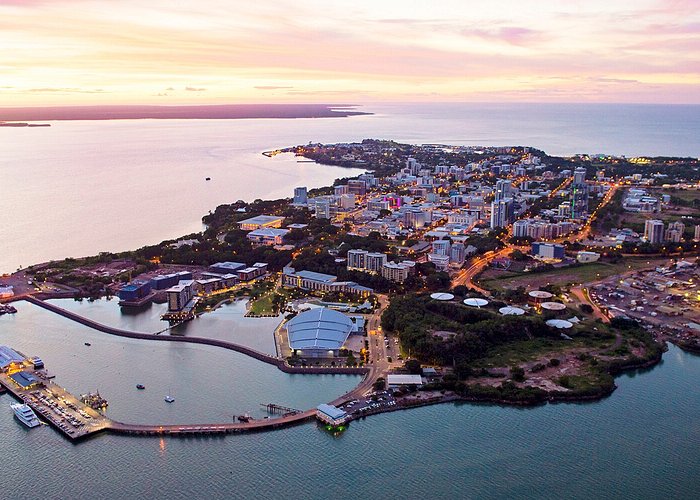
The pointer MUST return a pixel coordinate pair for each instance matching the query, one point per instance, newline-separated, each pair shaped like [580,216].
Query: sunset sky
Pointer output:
[56,52]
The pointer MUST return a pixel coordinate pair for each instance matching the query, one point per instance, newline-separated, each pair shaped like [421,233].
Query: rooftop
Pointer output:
[24,379]
[319,328]
[8,356]
[404,379]
[332,411]
[262,219]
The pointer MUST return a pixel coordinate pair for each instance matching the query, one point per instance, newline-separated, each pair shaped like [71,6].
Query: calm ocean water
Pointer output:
[78,188]
[639,443]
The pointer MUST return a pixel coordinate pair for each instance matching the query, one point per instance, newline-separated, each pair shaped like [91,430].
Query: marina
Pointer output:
[78,418]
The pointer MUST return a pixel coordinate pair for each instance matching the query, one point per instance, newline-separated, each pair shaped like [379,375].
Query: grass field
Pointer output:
[263,305]
[586,273]
[516,353]
[684,194]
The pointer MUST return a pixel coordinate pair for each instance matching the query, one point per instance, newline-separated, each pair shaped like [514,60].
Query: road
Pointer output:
[581,294]
[466,276]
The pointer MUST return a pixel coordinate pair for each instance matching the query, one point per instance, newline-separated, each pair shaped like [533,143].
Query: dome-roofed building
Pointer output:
[320,332]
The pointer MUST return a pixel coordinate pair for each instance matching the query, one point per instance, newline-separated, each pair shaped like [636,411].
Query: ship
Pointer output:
[25,415]
[140,386]
[169,399]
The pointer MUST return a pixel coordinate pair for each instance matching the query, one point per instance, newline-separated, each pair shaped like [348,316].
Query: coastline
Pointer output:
[192,112]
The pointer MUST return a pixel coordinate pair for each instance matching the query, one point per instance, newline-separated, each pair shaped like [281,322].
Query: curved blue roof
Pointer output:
[319,328]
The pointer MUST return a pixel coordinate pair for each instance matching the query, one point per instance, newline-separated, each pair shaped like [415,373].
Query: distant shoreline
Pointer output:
[197,112]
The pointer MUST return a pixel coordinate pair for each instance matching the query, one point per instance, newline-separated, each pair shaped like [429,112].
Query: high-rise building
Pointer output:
[357,259]
[564,210]
[579,194]
[398,272]
[323,209]
[413,166]
[374,262]
[415,218]
[675,231]
[458,253]
[300,196]
[520,228]
[357,186]
[654,231]
[441,247]
[502,213]
[346,201]
[503,189]
[341,190]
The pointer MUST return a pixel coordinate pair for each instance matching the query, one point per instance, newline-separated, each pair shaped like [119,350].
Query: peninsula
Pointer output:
[496,274]
[214,111]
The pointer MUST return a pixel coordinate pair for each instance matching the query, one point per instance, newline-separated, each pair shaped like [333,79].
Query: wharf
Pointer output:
[58,407]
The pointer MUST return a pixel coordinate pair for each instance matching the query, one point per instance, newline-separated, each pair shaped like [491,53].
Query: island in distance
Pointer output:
[216,111]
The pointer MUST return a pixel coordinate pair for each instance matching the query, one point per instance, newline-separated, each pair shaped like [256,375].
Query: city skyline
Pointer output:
[76,52]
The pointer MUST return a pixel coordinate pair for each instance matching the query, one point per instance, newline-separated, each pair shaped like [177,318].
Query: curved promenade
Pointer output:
[265,358]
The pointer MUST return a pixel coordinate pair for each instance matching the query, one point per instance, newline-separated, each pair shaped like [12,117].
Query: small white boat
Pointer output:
[169,399]
[25,415]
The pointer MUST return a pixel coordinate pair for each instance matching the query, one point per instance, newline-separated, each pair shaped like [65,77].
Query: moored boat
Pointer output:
[25,415]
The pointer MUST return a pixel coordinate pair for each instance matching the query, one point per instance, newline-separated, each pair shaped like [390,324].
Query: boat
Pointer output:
[37,362]
[25,415]
[169,399]
[94,400]
[88,344]
[140,386]
[208,178]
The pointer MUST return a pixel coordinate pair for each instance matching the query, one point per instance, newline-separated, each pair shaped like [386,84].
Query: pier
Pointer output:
[273,408]
[62,410]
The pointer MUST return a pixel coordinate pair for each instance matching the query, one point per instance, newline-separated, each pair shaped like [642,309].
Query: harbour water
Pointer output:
[78,188]
[639,443]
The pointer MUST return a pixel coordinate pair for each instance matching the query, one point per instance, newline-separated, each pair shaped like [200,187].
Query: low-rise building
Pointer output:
[544,250]
[267,236]
[226,267]
[250,273]
[319,282]
[398,271]
[180,295]
[584,257]
[395,380]
[331,415]
[261,221]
